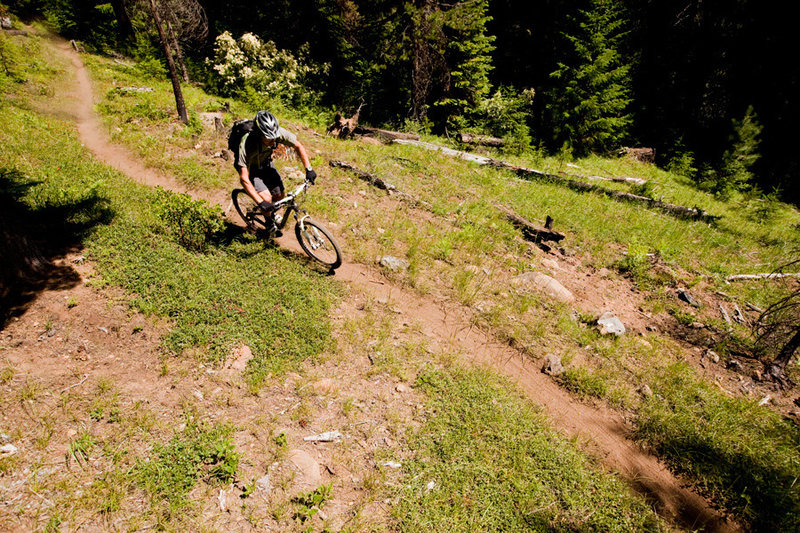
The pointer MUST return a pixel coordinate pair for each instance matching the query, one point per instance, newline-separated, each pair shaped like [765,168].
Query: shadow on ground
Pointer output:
[34,239]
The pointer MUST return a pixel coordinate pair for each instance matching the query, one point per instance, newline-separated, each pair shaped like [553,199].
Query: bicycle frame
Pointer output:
[291,207]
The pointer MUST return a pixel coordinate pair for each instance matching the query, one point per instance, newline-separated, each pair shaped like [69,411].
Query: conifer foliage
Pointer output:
[589,103]
[738,160]
[469,61]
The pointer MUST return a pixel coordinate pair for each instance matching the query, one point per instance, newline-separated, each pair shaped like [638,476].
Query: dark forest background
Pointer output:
[708,83]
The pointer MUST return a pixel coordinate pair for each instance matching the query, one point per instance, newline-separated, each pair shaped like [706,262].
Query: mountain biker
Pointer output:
[256,169]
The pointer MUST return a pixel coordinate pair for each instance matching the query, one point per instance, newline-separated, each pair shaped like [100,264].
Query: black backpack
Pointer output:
[239,130]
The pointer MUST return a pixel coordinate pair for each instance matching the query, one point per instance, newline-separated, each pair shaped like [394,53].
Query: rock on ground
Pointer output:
[609,324]
[546,285]
[306,467]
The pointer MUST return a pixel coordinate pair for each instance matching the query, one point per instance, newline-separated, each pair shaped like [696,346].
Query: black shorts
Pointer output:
[267,179]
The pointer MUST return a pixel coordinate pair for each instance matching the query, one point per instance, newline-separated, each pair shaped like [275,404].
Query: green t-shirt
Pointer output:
[253,154]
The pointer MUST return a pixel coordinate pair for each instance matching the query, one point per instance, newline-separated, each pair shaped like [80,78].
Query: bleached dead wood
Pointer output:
[618,179]
[738,316]
[771,275]
[380,183]
[528,173]
[724,313]
[386,135]
[344,127]
[481,140]
[532,232]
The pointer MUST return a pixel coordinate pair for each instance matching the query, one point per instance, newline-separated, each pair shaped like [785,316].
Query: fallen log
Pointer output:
[771,275]
[531,231]
[380,183]
[15,32]
[481,140]
[618,179]
[387,135]
[527,173]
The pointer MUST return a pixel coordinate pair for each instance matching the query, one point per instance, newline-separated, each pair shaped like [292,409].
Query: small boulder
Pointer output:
[7,449]
[393,263]
[323,386]
[609,324]
[685,296]
[645,391]
[263,484]
[550,263]
[240,357]
[552,365]
[546,285]
[308,475]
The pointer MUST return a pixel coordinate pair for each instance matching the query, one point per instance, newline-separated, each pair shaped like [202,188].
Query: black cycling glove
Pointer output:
[311,176]
[266,206]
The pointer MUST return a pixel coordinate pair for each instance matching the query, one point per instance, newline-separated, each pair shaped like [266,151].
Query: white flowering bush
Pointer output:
[249,64]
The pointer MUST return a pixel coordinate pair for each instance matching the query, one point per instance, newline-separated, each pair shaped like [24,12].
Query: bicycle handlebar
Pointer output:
[292,195]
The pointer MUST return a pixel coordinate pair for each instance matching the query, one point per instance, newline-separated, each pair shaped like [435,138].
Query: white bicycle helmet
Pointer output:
[266,124]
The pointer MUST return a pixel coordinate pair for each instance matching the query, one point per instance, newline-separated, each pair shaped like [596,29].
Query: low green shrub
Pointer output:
[193,222]
[198,451]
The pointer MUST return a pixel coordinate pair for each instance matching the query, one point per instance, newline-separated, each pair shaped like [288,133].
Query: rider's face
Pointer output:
[268,142]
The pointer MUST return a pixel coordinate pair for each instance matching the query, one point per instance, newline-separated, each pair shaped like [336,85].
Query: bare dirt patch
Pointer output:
[80,362]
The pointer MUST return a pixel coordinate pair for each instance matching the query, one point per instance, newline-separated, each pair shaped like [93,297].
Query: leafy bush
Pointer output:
[311,502]
[193,222]
[152,67]
[734,172]
[248,62]
[505,114]
[682,164]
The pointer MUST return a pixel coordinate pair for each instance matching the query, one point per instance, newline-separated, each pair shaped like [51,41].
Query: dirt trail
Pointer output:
[448,326]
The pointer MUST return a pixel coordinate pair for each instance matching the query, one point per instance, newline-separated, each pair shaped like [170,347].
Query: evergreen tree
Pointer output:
[451,59]
[588,106]
[469,61]
[738,160]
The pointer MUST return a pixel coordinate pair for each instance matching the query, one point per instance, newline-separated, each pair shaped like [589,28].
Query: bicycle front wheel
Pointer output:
[318,243]
[252,215]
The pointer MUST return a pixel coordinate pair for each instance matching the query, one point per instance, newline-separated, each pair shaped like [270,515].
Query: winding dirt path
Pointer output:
[448,326]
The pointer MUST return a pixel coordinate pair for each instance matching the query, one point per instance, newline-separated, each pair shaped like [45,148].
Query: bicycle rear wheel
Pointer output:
[247,208]
[318,243]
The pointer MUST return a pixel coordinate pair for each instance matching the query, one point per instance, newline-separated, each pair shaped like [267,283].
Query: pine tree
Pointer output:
[589,103]
[738,160]
[468,58]
[451,57]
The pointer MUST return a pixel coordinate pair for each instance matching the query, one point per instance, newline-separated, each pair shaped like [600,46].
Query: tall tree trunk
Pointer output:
[123,20]
[178,52]
[173,72]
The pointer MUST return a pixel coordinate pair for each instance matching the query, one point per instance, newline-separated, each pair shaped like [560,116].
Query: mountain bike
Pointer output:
[315,240]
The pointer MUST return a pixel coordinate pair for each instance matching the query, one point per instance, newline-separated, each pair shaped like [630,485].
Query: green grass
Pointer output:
[739,453]
[198,451]
[486,461]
